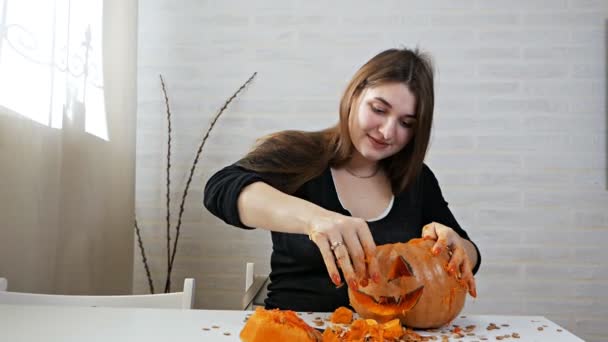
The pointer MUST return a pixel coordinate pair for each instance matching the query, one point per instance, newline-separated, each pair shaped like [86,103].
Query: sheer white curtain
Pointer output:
[67,144]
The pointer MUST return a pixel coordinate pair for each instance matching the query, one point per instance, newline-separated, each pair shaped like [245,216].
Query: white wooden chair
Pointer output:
[256,288]
[3,284]
[174,300]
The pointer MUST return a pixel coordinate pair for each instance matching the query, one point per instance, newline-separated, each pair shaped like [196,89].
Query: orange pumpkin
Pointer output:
[278,325]
[414,286]
[342,315]
[365,330]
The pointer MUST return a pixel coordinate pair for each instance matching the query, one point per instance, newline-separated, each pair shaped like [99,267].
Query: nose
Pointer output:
[387,129]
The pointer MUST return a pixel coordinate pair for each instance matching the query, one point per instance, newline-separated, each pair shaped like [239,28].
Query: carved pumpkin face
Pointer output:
[414,286]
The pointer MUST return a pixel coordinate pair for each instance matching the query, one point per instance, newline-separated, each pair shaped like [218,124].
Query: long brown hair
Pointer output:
[296,157]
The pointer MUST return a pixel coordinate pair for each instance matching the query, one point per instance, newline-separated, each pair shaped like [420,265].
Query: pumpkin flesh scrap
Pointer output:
[366,330]
[277,325]
[361,330]
[342,315]
[393,329]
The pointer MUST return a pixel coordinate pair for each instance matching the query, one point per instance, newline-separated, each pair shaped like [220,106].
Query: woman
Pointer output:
[330,197]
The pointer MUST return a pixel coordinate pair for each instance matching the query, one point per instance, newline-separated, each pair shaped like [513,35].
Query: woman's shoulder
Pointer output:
[288,149]
[289,134]
[283,145]
[425,181]
[294,157]
[426,172]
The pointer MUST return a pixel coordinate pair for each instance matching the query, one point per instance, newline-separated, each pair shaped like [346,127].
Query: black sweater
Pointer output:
[299,278]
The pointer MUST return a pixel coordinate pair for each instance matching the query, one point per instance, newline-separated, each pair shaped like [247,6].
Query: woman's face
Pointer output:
[382,120]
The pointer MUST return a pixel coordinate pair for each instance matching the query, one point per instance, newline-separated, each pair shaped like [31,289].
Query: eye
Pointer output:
[400,268]
[377,110]
[407,124]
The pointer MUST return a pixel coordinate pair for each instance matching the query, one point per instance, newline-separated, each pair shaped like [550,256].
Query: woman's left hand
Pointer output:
[461,252]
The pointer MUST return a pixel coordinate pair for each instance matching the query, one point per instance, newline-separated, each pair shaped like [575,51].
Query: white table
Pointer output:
[45,323]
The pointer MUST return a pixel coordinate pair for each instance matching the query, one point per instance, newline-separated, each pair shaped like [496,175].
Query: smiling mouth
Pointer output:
[378,142]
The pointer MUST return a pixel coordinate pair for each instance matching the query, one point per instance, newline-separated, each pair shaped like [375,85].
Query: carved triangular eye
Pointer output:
[400,268]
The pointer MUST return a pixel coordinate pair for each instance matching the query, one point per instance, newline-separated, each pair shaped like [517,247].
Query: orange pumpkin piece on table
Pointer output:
[332,334]
[342,315]
[414,287]
[362,330]
[365,330]
[393,329]
[278,325]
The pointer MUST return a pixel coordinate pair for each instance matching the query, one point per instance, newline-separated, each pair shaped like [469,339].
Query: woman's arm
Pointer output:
[463,254]
[261,205]
[243,198]
[435,210]
[471,252]
[445,230]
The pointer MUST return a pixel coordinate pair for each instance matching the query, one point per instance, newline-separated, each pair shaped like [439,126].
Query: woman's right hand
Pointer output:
[346,242]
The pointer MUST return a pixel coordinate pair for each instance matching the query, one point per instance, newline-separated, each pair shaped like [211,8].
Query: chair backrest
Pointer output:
[3,284]
[256,288]
[175,300]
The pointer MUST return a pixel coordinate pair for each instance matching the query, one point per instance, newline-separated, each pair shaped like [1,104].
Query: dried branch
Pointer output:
[185,194]
[162,82]
[143,254]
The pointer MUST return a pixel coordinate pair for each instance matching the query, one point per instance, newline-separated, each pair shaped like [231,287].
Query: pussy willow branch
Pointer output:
[143,254]
[185,194]
[162,82]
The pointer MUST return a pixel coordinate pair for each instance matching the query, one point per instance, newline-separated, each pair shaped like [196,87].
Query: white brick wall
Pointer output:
[519,144]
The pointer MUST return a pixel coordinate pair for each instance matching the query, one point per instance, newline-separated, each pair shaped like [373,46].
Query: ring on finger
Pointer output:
[335,245]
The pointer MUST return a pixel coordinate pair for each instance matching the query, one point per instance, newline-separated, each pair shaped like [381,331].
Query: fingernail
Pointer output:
[353,284]
[436,251]
[336,279]
[364,282]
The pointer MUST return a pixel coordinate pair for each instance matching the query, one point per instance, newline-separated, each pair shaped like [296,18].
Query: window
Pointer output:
[51,62]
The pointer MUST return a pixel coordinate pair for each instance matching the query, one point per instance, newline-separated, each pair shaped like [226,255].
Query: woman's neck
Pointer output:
[361,167]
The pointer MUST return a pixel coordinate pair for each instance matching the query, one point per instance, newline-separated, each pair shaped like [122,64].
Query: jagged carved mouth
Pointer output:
[399,303]
[410,297]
